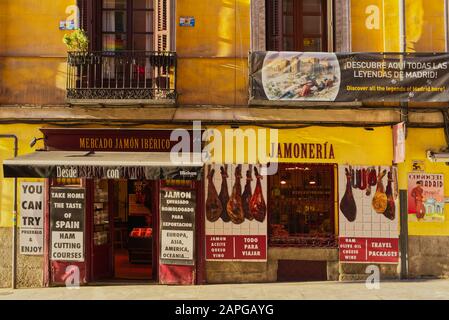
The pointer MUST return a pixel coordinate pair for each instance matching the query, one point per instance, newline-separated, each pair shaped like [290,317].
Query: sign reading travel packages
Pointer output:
[177,209]
[67,215]
[312,76]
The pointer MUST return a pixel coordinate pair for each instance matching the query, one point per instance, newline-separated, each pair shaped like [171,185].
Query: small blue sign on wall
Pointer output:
[187,21]
[67,25]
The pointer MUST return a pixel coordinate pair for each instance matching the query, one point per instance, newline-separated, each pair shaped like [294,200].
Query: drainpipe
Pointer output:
[14,213]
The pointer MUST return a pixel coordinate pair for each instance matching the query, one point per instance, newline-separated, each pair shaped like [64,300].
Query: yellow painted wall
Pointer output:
[32,55]
[212,65]
[424,25]
[417,143]
[24,133]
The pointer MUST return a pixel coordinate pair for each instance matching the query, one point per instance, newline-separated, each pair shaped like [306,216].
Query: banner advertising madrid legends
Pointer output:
[312,76]
[368,220]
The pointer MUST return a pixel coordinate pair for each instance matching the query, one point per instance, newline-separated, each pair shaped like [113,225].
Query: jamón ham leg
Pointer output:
[257,204]
[224,193]
[347,204]
[235,206]
[391,206]
[213,203]
[247,194]
[380,198]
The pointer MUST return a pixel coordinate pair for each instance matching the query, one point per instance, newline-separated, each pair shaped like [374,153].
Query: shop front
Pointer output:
[117,208]
[330,210]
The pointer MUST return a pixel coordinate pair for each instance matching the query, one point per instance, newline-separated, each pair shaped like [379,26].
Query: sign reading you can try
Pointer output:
[67,211]
[177,226]
[31,218]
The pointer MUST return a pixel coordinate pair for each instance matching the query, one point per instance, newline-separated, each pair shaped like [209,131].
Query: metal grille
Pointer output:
[121,75]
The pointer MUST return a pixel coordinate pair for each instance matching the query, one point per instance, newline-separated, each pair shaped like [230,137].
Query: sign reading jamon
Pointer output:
[313,76]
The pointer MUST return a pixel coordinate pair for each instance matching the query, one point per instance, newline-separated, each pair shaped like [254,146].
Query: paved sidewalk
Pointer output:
[419,289]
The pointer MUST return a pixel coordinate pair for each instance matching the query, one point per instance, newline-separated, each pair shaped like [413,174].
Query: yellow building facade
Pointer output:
[211,82]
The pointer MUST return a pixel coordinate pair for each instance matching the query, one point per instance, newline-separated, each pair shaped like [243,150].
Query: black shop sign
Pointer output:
[67,220]
[177,210]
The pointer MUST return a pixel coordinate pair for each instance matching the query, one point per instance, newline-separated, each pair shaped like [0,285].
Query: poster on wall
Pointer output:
[67,216]
[177,209]
[236,213]
[318,76]
[368,214]
[426,197]
[32,218]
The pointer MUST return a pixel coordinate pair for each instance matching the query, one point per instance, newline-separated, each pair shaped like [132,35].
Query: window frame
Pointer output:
[275,31]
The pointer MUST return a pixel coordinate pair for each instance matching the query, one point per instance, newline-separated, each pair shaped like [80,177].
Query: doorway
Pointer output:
[134,215]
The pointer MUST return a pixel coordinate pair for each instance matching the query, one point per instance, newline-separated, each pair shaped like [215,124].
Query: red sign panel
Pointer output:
[236,247]
[369,250]
[118,140]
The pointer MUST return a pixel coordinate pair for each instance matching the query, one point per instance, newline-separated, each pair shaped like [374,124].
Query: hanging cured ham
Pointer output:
[246,196]
[224,193]
[235,205]
[213,203]
[391,206]
[380,199]
[257,205]
[347,204]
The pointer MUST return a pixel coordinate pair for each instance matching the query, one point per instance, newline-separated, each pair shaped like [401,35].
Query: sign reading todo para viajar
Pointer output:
[177,209]
[312,76]
[67,215]
[32,218]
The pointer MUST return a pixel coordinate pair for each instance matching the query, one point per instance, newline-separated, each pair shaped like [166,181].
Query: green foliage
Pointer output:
[76,41]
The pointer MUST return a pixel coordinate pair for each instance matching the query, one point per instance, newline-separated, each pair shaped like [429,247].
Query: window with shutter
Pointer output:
[163,25]
[134,25]
[296,25]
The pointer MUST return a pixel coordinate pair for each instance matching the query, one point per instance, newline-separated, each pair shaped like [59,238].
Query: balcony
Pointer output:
[121,77]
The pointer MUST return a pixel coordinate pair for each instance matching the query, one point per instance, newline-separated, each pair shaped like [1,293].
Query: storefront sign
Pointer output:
[296,76]
[32,218]
[177,209]
[110,140]
[368,219]
[67,215]
[236,213]
[369,250]
[399,142]
[150,172]
[426,197]
[302,151]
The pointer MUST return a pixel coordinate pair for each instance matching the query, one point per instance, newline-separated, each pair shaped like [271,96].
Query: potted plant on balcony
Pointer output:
[77,44]
[76,41]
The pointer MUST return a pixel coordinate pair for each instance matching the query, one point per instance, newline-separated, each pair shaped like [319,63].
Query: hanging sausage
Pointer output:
[235,205]
[347,204]
[224,193]
[257,205]
[247,193]
[213,203]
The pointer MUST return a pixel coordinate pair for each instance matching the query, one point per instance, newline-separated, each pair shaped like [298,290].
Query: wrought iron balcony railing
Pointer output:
[124,75]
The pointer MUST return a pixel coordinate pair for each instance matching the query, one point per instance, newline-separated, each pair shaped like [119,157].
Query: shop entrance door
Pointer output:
[100,218]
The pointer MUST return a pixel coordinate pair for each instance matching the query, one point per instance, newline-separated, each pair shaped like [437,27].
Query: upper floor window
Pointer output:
[297,25]
[135,25]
